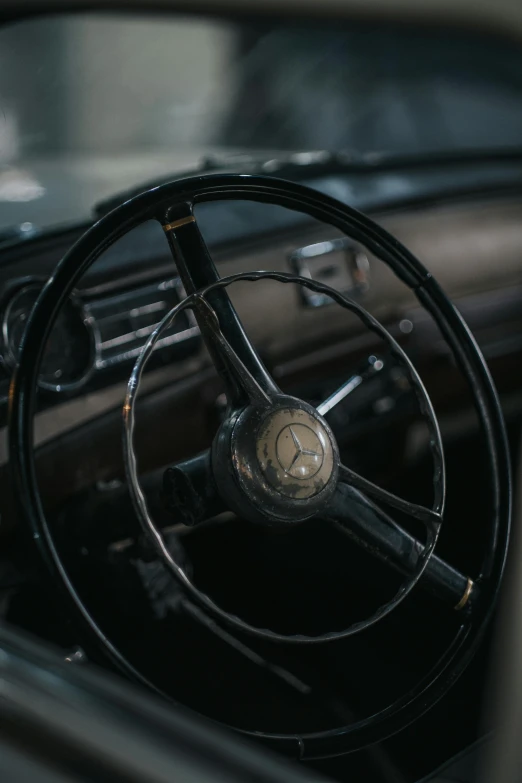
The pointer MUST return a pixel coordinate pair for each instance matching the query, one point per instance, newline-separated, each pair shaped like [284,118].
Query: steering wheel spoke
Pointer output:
[251,388]
[427,516]
[232,352]
[370,527]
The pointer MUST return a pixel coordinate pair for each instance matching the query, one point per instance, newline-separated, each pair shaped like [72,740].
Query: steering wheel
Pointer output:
[274,460]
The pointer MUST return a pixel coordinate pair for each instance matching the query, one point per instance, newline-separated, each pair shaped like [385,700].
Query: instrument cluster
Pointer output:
[94,335]
[69,354]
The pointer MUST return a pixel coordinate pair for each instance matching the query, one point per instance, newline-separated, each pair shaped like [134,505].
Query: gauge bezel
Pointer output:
[37,284]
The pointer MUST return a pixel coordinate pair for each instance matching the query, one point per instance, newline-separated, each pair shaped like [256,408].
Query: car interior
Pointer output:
[260,394]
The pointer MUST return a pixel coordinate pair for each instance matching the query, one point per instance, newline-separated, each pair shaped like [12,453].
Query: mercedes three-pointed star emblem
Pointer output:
[299,451]
[295,452]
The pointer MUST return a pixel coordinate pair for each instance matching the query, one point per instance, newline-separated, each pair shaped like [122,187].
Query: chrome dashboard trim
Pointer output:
[357,267]
[103,363]
[172,339]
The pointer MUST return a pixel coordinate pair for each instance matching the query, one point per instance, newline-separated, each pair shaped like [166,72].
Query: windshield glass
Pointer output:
[103,102]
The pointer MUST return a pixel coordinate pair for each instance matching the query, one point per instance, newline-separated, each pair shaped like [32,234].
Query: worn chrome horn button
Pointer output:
[294,452]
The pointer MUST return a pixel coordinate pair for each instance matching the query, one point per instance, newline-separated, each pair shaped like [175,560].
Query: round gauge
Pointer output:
[68,355]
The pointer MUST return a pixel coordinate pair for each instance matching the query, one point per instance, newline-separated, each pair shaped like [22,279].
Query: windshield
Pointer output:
[108,101]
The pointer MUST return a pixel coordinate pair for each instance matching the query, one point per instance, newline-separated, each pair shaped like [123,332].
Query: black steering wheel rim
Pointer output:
[196,190]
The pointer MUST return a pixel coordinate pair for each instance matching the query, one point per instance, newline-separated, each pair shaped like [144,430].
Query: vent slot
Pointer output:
[125,321]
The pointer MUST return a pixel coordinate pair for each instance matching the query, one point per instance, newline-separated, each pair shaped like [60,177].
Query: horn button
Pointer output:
[294,453]
[284,462]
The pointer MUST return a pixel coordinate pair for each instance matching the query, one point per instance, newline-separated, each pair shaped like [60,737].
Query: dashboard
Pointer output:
[472,247]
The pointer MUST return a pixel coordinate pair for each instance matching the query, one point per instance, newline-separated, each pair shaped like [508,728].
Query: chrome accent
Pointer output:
[179,337]
[347,273]
[346,389]
[375,365]
[160,306]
